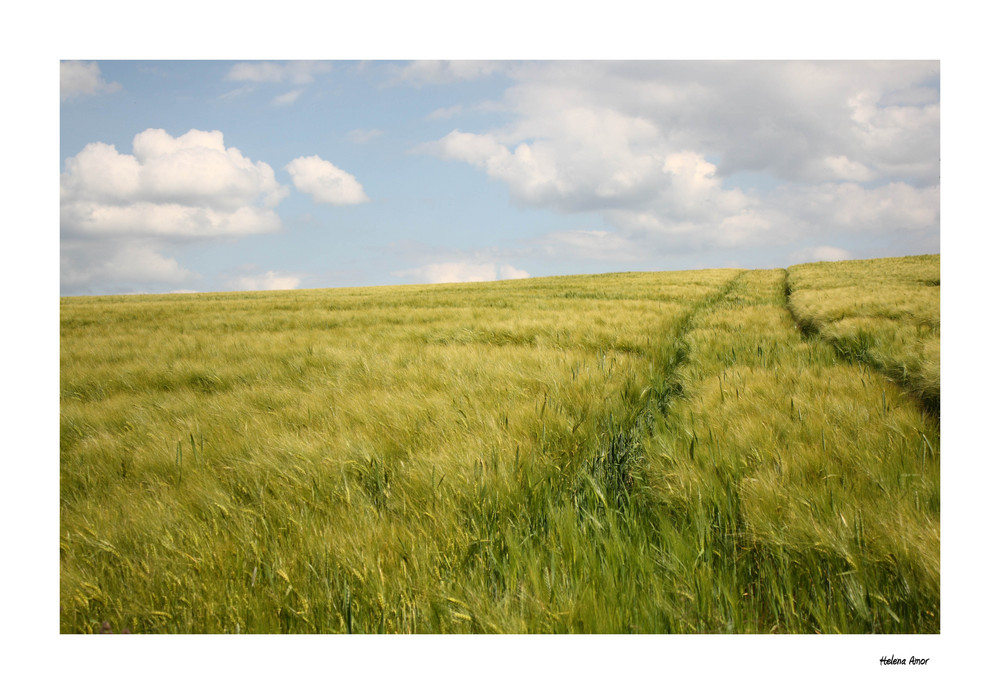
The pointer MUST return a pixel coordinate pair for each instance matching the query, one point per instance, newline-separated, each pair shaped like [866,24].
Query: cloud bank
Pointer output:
[679,157]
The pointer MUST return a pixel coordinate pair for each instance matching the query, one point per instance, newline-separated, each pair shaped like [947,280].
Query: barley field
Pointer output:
[886,315]
[717,451]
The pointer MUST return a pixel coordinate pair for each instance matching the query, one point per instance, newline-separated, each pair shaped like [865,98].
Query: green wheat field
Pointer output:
[716,451]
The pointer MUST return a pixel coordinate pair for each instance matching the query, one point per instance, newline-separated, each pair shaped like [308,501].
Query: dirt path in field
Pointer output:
[620,451]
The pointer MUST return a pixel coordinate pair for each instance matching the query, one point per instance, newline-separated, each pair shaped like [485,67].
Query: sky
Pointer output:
[217,175]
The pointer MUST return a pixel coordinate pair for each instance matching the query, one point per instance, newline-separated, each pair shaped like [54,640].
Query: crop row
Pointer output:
[885,313]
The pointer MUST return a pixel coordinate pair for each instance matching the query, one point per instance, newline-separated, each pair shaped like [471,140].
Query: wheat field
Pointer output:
[709,451]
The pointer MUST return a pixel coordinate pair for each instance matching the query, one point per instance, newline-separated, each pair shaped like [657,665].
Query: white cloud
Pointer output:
[842,168]
[119,212]
[603,167]
[325,182]
[147,265]
[77,78]
[188,186]
[650,146]
[851,208]
[360,137]
[663,193]
[117,269]
[695,192]
[167,220]
[287,98]
[462,271]
[267,281]
[294,72]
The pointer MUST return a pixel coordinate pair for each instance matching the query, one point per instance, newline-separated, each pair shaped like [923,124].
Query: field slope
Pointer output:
[636,452]
[884,313]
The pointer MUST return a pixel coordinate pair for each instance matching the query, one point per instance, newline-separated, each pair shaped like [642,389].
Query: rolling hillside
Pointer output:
[693,452]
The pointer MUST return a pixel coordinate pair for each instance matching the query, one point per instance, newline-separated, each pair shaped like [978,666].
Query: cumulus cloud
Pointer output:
[583,160]
[187,186]
[325,182]
[267,281]
[651,146]
[462,271]
[78,78]
[119,212]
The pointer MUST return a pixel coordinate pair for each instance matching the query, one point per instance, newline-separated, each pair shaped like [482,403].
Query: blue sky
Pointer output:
[230,175]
